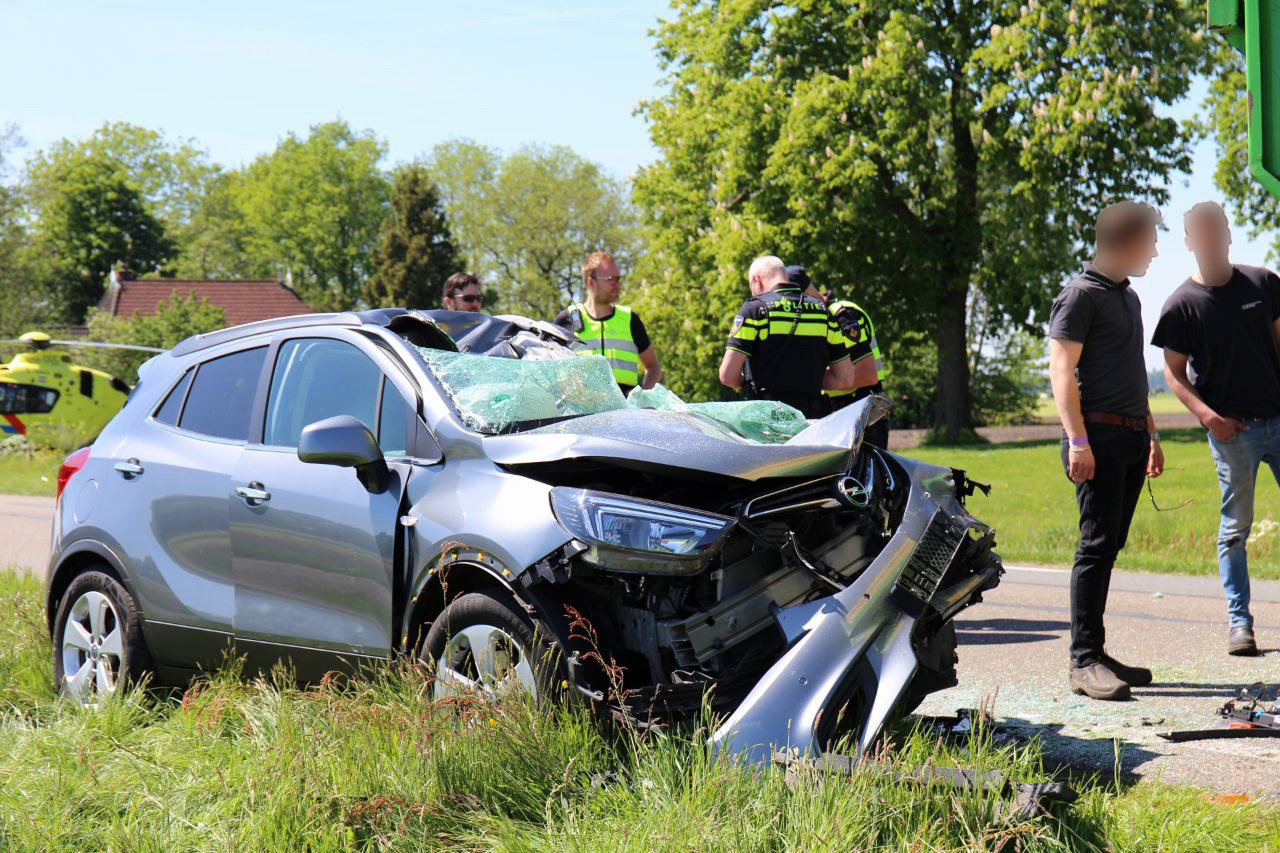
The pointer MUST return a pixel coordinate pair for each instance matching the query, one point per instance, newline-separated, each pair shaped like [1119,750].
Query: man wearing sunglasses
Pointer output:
[609,329]
[462,293]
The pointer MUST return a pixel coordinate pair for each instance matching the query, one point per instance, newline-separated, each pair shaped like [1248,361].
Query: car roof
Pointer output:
[380,317]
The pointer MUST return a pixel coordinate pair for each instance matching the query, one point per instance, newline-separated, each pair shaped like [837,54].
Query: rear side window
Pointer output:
[317,378]
[221,397]
[172,405]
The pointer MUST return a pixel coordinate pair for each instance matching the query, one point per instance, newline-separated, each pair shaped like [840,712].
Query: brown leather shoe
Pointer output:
[1134,676]
[1240,642]
[1098,682]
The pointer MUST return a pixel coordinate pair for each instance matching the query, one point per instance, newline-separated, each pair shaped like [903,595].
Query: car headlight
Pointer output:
[632,534]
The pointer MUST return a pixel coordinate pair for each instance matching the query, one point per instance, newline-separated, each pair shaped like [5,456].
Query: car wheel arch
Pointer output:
[79,557]
[439,585]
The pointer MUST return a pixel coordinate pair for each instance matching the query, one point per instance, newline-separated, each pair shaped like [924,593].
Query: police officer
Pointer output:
[790,344]
[864,351]
[609,329]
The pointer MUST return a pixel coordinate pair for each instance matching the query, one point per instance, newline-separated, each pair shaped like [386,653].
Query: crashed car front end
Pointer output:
[802,588]
[859,656]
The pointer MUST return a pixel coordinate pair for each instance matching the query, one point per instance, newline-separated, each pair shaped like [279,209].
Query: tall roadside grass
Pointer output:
[375,763]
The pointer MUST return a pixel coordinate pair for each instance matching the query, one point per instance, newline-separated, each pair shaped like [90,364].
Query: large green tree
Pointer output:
[527,220]
[415,251]
[312,208]
[1227,119]
[94,218]
[911,154]
[172,177]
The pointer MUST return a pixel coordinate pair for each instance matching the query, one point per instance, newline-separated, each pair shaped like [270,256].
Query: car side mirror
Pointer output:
[346,442]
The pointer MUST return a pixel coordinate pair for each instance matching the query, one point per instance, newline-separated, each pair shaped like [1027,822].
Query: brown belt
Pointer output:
[1139,424]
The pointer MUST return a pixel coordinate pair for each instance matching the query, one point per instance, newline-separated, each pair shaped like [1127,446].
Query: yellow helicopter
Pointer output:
[52,401]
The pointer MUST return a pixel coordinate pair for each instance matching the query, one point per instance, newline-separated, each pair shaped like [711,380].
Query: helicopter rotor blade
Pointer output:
[105,345]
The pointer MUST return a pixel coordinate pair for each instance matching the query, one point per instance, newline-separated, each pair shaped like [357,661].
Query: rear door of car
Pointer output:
[165,504]
[313,550]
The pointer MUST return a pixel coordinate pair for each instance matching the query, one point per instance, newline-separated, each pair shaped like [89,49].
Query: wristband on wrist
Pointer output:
[1082,441]
[1155,436]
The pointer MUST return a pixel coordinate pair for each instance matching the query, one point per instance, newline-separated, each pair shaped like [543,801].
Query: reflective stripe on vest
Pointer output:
[881,370]
[612,339]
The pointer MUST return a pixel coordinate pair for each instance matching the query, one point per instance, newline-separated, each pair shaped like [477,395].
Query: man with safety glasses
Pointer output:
[462,293]
[609,329]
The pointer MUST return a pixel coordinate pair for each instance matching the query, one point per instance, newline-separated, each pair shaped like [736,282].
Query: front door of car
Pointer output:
[312,549]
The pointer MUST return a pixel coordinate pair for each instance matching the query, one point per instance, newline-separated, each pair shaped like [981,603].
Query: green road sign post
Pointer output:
[1253,28]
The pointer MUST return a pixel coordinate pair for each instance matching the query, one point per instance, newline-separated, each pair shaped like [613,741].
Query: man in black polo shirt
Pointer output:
[1110,444]
[791,345]
[1224,321]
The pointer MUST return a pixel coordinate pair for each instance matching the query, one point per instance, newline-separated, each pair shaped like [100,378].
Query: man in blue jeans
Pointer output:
[1225,322]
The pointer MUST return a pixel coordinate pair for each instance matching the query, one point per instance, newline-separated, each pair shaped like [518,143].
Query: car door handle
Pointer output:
[253,494]
[129,468]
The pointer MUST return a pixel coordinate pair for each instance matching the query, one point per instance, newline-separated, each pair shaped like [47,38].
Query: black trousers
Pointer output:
[1106,506]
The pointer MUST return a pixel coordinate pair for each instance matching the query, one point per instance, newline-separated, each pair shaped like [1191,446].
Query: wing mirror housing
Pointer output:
[347,443]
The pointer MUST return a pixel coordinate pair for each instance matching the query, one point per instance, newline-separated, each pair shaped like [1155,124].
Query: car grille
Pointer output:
[933,554]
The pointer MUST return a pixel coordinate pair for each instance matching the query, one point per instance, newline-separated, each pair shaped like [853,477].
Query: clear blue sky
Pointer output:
[238,76]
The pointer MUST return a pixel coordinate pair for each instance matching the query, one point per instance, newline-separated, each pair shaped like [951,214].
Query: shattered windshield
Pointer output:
[500,395]
[496,395]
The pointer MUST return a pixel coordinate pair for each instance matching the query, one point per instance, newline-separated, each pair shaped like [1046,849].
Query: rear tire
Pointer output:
[98,647]
[483,643]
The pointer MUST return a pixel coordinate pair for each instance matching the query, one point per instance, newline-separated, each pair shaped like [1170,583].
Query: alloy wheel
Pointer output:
[483,659]
[92,649]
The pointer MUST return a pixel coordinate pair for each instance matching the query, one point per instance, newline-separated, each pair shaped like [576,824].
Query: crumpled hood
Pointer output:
[643,437]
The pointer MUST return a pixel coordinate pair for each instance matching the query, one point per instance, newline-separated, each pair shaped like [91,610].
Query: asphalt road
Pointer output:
[26,524]
[1013,656]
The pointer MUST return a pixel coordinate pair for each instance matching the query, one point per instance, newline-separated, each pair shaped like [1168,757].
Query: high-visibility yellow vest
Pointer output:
[612,339]
[870,330]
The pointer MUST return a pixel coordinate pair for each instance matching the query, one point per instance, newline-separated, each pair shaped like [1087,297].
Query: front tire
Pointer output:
[98,648]
[482,644]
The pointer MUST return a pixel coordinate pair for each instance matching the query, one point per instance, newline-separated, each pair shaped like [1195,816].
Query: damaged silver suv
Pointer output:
[334,489]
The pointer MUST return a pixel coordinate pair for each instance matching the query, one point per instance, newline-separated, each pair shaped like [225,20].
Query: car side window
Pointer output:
[172,405]
[393,421]
[317,378]
[221,397]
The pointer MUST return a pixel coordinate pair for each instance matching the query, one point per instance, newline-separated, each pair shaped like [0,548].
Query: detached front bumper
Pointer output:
[854,653]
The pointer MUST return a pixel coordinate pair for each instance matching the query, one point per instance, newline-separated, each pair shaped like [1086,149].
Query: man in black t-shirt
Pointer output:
[790,343]
[1109,445]
[1224,322]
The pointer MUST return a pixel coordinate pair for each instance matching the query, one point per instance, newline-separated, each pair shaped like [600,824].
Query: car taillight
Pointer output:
[70,465]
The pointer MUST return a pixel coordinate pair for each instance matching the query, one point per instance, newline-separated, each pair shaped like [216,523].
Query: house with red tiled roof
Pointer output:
[241,300]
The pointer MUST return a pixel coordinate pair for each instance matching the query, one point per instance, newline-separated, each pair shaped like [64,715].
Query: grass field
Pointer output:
[375,764]
[21,473]
[1032,506]
[1164,403]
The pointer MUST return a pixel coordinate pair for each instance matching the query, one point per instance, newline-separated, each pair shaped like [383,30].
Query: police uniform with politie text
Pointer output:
[788,342]
[864,353]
